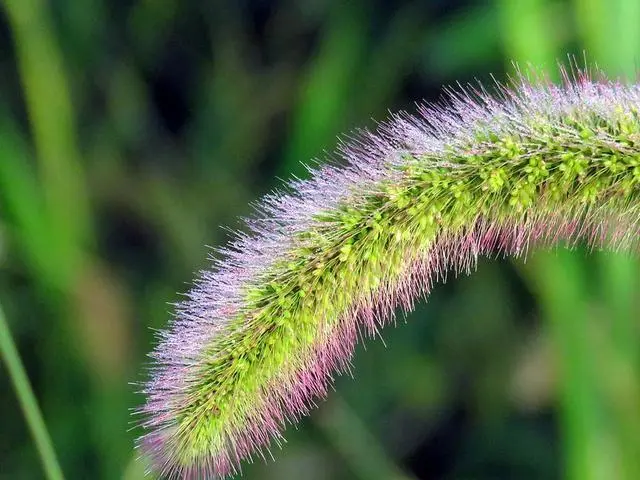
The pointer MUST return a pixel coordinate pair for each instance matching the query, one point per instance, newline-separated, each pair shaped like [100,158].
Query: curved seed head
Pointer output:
[262,333]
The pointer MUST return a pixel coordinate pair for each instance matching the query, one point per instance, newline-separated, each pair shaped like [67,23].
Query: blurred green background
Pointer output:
[130,131]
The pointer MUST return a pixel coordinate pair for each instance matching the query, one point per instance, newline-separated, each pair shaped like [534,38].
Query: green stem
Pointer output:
[28,402]
[49,105]
[355,443]
[561,288]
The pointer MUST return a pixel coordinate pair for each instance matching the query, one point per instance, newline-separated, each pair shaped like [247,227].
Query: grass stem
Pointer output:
[28,402]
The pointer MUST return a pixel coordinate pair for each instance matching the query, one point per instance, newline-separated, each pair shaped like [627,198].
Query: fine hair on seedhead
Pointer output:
[324,262]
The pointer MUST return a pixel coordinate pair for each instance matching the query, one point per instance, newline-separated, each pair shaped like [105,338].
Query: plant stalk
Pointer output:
[28,402]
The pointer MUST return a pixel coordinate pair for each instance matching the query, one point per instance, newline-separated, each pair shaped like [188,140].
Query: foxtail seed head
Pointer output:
[262,333]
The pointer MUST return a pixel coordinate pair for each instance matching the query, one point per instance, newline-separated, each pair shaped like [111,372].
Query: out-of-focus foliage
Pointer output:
[129,131]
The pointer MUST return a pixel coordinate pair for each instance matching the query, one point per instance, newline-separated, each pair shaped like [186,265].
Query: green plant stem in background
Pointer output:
[48,102]
[28,402]
[521,24]
[358,447]
[600,21]
[560,284]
